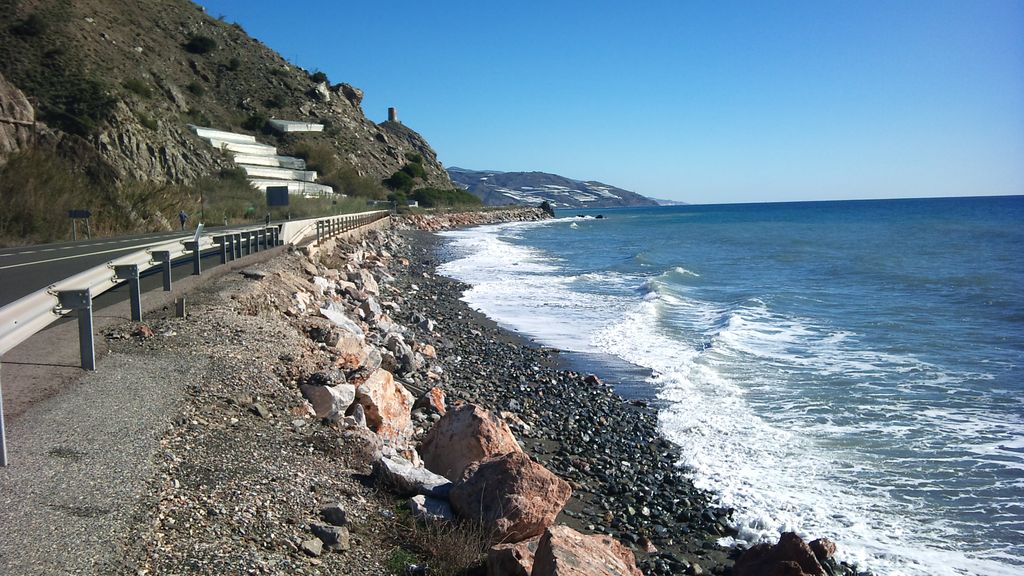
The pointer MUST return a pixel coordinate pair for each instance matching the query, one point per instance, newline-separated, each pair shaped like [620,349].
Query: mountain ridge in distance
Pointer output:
[497,188]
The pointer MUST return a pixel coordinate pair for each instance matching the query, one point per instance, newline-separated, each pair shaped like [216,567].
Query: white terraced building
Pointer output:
[262,165]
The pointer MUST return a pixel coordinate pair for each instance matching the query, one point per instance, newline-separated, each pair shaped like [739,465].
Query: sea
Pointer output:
[850,369]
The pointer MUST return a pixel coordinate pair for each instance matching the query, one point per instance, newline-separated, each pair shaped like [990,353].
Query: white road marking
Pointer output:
[122,249]
[75,246]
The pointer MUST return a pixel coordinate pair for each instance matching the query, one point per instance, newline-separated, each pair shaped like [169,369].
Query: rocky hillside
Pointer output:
[501,188]
[114,84]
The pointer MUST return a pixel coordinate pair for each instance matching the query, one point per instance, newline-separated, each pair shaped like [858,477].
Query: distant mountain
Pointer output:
[664,202]
[501,188]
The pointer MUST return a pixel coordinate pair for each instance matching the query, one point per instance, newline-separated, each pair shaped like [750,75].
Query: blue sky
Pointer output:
[695,101]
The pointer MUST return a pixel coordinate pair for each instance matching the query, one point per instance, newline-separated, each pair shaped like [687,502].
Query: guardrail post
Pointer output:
[164,258]
[319,231]
[238,244]
[223,245]
[197,256]
[81,300]
[3,438]
[275,234]
[130,272]
[248,242]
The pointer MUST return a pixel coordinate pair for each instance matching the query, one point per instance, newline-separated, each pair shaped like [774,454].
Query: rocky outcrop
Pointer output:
[511,496]
[388,406]
[465,435]
[791,556]
[17,120]
[563,551]
[124,81]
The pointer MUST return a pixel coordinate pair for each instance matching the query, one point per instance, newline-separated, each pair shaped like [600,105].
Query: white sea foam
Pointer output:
[788,458]
[519,287]
[777,472]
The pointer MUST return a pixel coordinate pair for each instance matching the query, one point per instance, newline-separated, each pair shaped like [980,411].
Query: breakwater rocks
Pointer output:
[444,221]
[349,378]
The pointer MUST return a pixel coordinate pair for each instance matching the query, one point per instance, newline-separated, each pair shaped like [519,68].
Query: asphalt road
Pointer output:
[25,269]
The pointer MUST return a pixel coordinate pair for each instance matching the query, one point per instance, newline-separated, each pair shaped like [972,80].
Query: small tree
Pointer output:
[199,44]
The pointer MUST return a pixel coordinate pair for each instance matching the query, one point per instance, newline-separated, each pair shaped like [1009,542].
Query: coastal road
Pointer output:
[25,269]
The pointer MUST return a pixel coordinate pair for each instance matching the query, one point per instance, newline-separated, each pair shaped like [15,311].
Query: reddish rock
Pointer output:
[563,551]
[511,496]
[432,401]
[387,405]
[143,331]
[512,559]
[790,557]
[823,549]
[465,435]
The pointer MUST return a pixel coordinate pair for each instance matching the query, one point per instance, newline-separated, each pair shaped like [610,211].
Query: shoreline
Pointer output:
[634,491]
[700,531]
[241,466]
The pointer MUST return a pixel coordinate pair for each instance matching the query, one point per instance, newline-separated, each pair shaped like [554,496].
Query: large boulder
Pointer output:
[514,559]
[563,551]
[465,435]
[790,557]
[329,402]
[403,478]
[388,406]
[511,496]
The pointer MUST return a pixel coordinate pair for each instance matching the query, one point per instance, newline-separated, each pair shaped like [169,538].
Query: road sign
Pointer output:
[277,195]
[79,214]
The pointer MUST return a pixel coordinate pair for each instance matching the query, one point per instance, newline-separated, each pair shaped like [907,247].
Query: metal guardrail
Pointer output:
[23,318]
[327,227]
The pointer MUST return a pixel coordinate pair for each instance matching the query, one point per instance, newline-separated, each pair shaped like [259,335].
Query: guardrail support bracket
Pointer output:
[81,300]
[130,272]
[164,258]
[222,243]
[197,256]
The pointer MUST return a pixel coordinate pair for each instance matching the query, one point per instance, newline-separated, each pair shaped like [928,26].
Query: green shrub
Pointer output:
[197,117]
[199,44]
[399,560]
[139,87]
[256,123]
[337,173]
[33,25]
[234,63]
[196,88]
[80,106]
[400,181]
[275,101]
[318,77]
[147,121]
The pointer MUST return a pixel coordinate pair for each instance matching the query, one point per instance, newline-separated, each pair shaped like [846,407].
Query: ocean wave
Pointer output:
[798,425]
[802,467]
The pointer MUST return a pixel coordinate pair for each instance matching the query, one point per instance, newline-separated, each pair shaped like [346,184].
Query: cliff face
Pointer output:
[123,78]
[17,119]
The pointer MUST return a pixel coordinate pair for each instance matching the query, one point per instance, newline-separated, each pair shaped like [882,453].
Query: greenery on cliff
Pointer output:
[114,85]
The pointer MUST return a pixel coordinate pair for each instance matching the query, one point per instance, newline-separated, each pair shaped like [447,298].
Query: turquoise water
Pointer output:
[842,369]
